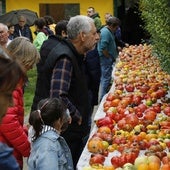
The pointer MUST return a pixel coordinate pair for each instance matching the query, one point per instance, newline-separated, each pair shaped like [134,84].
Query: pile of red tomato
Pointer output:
[137,113]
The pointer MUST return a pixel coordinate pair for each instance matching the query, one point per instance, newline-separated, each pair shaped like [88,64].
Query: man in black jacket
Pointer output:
[22,29]
[64,77]
[60,33]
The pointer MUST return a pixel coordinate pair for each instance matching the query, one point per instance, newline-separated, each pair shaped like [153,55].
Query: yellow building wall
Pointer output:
[101,6]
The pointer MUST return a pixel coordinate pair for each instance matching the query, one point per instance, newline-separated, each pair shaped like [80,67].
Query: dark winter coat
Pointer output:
[25,32]
[93,71]
[78,88]
[41,92]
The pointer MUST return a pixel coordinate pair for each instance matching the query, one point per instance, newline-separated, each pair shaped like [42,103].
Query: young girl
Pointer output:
[12,130]
[49,149]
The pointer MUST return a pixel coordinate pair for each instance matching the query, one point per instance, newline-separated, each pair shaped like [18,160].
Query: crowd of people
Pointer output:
[74,59]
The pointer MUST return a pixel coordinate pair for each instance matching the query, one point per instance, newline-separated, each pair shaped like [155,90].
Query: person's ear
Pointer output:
[82,35]
[63,33]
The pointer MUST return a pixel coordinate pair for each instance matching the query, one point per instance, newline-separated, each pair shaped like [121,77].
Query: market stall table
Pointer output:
[141,90]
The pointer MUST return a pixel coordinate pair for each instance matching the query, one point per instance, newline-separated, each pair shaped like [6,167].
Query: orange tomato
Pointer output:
[154,166]
[104,129]
[136,138]
[115,102]
[95,146]
[143,166]
[150,136]
[165,167]
[124,103]
[142,135]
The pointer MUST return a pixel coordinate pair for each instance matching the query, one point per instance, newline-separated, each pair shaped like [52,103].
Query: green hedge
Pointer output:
[156,15]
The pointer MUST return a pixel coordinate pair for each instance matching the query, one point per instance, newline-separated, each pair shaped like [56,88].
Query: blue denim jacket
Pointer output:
[50,152]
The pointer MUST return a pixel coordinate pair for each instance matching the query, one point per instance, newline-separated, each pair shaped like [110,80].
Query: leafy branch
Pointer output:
[156,15]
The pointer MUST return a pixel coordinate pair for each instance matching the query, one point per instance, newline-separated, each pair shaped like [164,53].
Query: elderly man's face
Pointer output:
[22,21]
[91,39]
[3,36]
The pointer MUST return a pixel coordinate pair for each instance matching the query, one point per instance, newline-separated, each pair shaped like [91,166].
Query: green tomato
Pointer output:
[128,166]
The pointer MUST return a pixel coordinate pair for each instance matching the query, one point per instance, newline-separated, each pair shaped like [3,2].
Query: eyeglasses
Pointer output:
[21,21]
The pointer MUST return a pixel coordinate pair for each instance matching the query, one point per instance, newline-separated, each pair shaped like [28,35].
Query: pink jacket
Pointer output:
[12,131]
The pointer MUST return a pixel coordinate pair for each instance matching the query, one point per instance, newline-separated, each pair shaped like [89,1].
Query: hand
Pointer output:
[119,48]
[126,45]
[69,120]
[77,118]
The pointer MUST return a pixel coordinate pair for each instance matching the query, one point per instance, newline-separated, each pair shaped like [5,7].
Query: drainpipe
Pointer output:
[115,8]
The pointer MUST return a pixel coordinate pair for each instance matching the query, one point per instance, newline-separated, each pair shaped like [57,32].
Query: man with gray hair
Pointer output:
[22,29]
[4,34]
[64,77]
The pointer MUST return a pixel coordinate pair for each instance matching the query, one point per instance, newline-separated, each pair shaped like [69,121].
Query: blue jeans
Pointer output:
[106,75]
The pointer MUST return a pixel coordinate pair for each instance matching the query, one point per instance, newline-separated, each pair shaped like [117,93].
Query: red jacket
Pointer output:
[12,131]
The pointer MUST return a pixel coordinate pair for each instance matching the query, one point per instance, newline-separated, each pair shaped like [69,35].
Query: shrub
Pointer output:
[156,15]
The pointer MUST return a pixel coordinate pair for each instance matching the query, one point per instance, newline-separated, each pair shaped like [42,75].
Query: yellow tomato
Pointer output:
[109,168]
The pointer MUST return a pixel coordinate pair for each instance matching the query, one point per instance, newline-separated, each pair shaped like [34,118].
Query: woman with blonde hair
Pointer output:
[12,129]
[24,51]
[10,74]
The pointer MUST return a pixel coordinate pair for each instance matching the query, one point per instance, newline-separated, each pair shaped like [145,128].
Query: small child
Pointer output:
[49,150]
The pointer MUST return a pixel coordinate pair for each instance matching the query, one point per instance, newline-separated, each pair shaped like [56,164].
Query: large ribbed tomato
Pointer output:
[95,146]
[150,115]
[132,119]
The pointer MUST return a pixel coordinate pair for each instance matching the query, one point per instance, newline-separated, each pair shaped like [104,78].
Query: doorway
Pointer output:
[131,23]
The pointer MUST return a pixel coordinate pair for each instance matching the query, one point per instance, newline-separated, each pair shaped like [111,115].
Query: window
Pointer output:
[2,7]
[59,11]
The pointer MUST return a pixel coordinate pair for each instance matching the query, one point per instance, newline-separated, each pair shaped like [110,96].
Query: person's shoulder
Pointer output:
[27,26]
[96,15]
[104,29]
[55,37]
[47,139]
[42,35]
[51,135]
[16,26]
